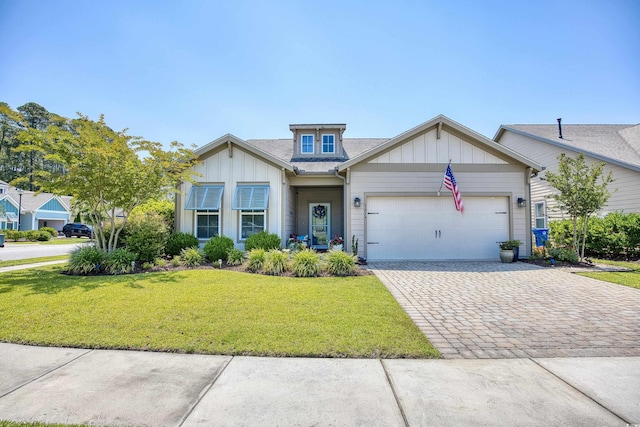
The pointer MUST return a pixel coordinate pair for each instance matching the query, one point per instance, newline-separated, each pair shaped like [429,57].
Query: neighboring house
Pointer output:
[616,145]
[36,210]
[8,209]
[382,191]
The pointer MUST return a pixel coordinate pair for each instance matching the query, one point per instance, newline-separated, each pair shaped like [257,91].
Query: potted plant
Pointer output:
[336,243]
[508,250]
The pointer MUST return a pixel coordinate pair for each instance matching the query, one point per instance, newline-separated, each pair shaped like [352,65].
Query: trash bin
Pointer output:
[541,235]
[1,240]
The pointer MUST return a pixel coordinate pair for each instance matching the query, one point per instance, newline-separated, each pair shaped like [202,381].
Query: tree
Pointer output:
[583,192]
[107,173]
[36,117]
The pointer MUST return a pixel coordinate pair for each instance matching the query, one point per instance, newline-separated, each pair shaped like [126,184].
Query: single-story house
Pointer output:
[37,210]
[616,145]
[386,193]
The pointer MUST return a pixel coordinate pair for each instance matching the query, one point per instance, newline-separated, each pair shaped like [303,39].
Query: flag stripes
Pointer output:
[450,183]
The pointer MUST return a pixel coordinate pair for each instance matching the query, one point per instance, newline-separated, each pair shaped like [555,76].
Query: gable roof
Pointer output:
[280,151]
[445,121]
[231,139]
[32,201]
[617,144]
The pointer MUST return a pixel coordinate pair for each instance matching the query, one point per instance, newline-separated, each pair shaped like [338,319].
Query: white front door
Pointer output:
[319,225]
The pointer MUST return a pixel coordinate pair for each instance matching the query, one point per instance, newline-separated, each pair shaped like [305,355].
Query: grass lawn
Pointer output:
[209,311]
[53,241]
[11,263]
[626,278]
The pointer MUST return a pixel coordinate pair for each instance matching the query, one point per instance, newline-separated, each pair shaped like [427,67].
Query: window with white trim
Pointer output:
[207,224]
[252,201]
[205,200]
[306,144]
[251,222]
[328,143]
[540,215]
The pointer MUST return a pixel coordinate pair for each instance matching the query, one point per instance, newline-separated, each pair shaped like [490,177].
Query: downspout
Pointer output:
[344,205]
[528,213]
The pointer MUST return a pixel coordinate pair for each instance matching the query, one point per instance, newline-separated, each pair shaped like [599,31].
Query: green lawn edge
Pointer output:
[208,311]
[626,278]
[14,262]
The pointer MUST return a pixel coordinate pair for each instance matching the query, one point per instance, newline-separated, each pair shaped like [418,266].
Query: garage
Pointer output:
[429,228]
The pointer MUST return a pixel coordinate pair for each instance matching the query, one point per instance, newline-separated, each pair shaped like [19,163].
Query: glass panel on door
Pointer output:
[319,232]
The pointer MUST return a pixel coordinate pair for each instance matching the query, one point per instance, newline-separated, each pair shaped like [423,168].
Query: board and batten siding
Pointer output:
[427,148]
[490,183]
[241,168]
[625,190]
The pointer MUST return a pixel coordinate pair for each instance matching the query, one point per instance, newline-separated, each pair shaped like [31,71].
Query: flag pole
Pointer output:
[442,182]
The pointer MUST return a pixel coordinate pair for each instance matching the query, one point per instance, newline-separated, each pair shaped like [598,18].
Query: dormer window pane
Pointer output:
[328,145]
[307,144]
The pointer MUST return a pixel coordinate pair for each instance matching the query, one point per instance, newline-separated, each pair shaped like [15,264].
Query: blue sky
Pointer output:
[194,70]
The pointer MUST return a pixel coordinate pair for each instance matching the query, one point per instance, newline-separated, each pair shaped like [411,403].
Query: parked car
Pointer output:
[76,229]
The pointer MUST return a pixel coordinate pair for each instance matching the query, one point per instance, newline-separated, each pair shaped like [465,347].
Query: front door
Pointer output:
[319,232]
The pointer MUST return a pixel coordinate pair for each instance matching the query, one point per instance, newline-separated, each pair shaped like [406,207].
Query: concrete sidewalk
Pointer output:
[34,265]
[109,387]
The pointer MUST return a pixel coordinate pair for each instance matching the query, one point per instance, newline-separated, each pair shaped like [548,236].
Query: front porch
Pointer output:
[317,215]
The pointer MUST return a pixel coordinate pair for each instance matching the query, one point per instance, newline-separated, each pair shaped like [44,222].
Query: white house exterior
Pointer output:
[382,191]
[616,145]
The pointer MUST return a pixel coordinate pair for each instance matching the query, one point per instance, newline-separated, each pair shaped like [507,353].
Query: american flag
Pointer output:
[450,183]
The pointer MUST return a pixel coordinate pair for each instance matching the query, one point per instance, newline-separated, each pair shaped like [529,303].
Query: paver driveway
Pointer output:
[494,310]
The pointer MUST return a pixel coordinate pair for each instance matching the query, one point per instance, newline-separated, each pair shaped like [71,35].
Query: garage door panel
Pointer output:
[424,228]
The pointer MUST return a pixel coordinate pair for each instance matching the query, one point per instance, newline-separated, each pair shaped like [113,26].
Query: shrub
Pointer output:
[176,261]
[275,262]
[262,240]
[341,264]
[255,259]
[164,207]
[306,263]
[14,235]
[86,260]
[50,230]
[120,261]
[235,256]
[191,257]
[217,248]
[146,236]
[160,262]
[563,254]
[32,235]
[147,265]
[178,241]
[43,236]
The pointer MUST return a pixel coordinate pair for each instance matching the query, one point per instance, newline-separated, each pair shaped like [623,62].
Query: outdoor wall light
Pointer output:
[356,202]
[521,202]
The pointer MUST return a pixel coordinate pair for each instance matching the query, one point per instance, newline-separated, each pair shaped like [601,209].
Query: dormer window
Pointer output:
[306,144]
[328,144]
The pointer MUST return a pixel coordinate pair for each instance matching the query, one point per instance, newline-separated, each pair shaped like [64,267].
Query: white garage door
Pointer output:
[429,228]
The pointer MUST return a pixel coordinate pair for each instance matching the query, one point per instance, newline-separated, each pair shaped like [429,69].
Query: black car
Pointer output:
[77,230]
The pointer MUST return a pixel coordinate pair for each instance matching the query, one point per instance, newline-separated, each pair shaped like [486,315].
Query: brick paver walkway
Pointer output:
[494,310]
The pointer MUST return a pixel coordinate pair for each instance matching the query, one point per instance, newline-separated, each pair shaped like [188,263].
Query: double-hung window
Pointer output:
[205,201]
[328,144]
[252,201]
[540,215]
[306,146]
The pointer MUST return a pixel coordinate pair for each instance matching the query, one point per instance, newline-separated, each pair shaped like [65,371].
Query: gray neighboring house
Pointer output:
[381,191]
[36,210]
[616,145]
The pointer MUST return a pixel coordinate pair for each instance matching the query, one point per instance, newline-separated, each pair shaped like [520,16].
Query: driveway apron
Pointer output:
[494,310]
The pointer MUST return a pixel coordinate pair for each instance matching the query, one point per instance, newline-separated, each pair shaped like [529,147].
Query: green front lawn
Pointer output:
[626,278]
[209,311]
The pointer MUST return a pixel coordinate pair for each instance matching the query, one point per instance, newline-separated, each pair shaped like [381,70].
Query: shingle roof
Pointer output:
[620,143]
[32,201]
[283,150]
